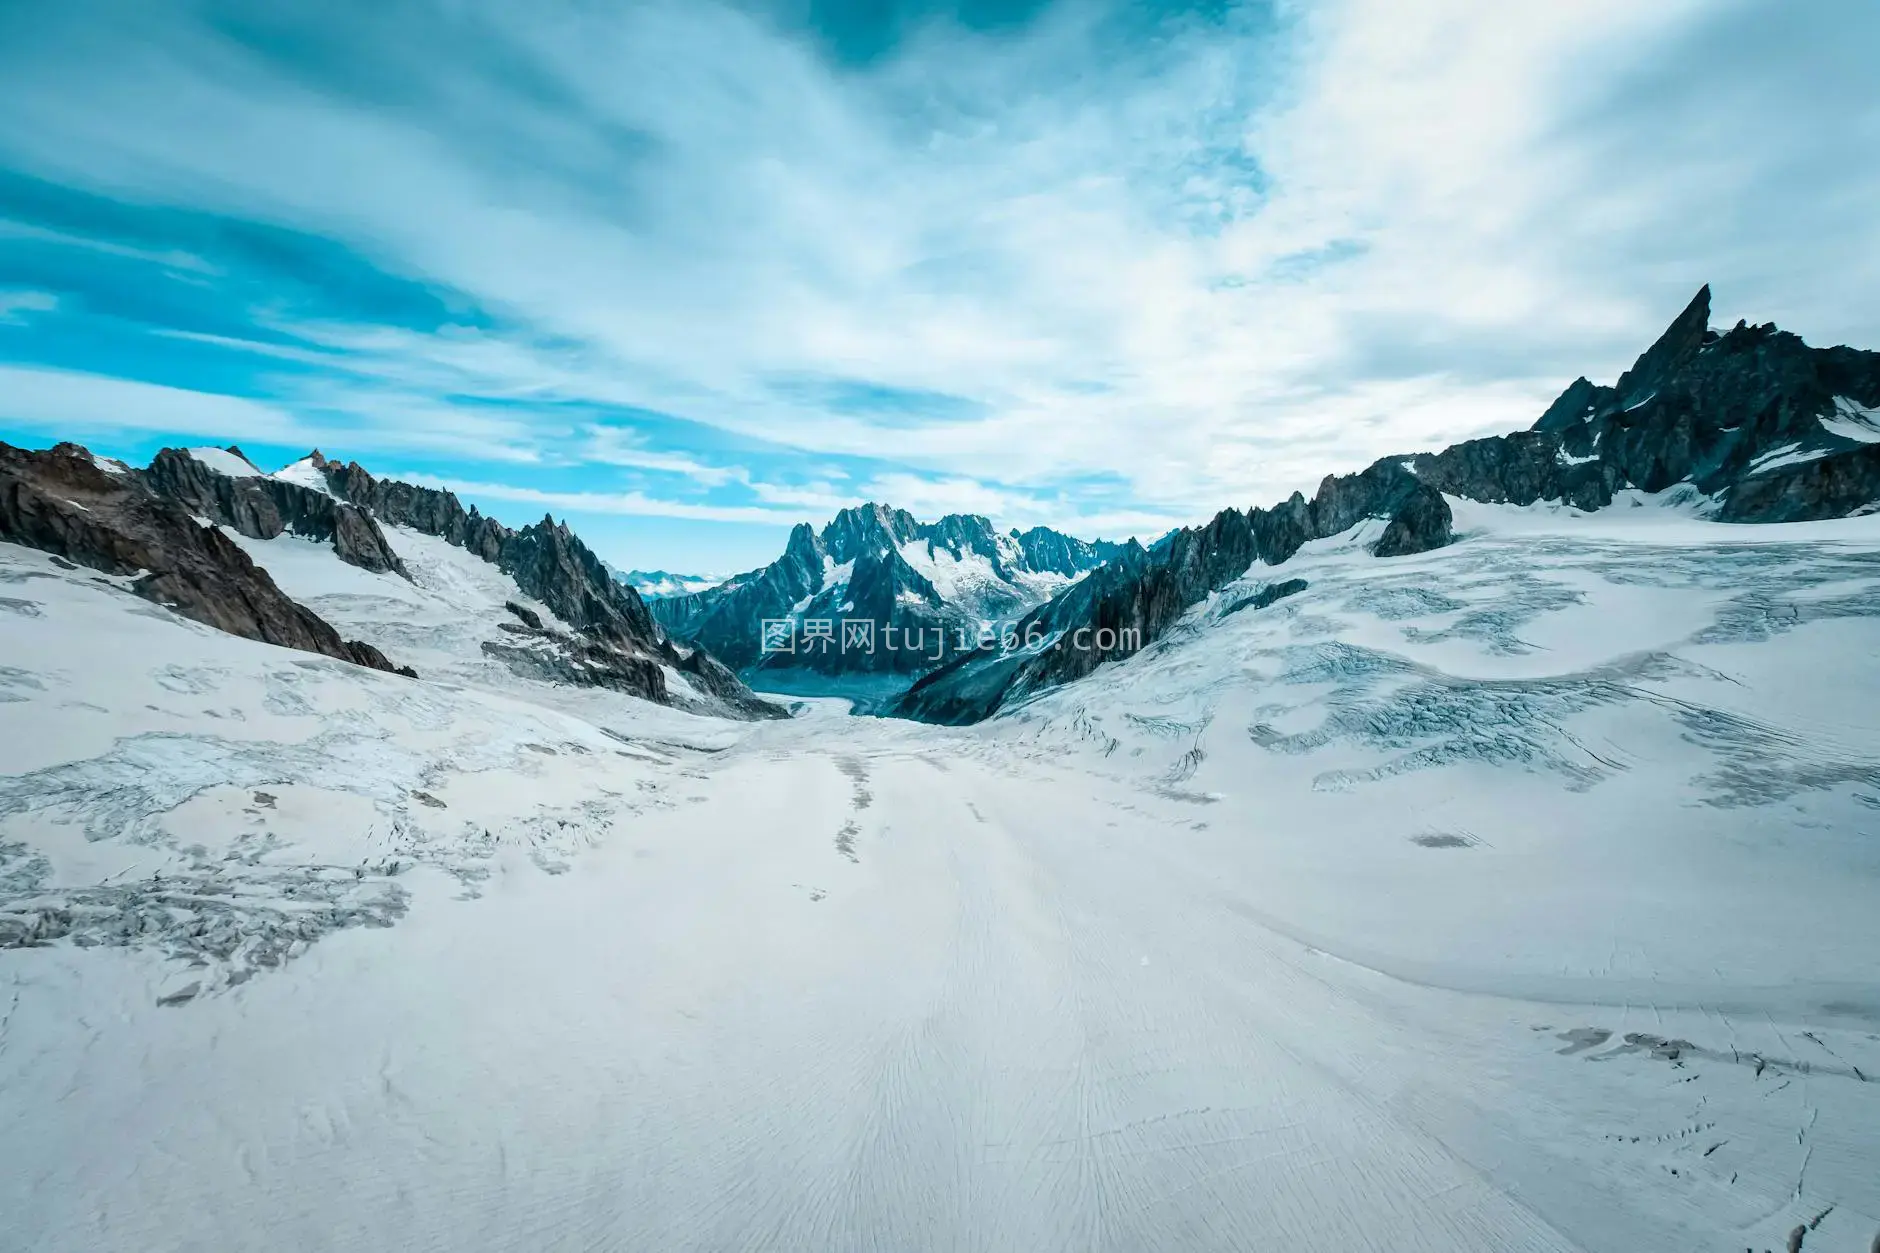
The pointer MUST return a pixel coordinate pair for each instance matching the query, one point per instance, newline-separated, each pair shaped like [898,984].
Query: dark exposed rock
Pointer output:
[1574,406]
[914,625]
[62,502]
[146,523]
[1674,350]
[423,509]
[583,663]
[1053,552]
[546,560]
[705,671]
[1422,522]
[264,507]
[1827,487]
[867,529]
[1267,595]
[1110,614]
[961,533]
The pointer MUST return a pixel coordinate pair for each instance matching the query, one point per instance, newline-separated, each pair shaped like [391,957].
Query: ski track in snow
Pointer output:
[1517,896]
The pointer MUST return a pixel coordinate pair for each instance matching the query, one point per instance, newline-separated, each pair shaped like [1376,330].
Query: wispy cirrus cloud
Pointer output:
[1073,261]
[17,304]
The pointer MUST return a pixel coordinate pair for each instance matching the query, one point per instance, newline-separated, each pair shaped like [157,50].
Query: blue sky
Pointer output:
[685,272]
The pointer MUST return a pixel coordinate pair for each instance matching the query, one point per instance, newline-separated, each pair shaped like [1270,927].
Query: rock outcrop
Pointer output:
[1108,615]
[263,507]
[1272,593]
[146,520]
[1831,486]
[63,502]
[1421,522]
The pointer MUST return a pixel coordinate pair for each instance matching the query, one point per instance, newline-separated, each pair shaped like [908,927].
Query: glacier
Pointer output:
[1515,895]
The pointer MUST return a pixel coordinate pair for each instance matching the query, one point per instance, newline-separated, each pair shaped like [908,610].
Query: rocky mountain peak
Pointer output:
[1572,407]
[804,546]
[1673,350]
[263,506]
[868,528]
[1052,552]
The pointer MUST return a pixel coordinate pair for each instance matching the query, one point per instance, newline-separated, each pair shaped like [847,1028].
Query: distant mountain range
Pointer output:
[878,593]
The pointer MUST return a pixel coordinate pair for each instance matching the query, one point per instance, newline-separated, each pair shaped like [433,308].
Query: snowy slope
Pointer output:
[1514,896]
[969,580]
[304,473]
[440,619]
[225,461]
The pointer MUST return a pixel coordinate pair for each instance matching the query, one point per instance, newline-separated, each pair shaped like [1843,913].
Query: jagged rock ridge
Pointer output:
[623,649]
[63,502]
[263,507]
[616,644]
[1766,427]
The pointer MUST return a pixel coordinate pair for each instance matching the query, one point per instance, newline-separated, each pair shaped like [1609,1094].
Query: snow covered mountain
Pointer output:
[890,596]
[226,544]
[1754,423]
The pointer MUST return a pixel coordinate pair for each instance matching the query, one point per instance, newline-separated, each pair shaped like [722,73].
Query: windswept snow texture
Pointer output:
[304,473]
[1518,895]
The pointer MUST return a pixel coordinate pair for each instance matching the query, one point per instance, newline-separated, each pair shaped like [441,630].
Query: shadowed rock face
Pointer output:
[1775,430]
[1828,487]
[62,502]
[1119,606]
[546,559]
[1054,552]
[423,509]
[265,507]
[1421,522]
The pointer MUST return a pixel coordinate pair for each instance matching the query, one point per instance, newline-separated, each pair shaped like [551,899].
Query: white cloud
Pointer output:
[74,404]
[613,446]
[71,403]
[1219,264]
[16,304]
[633,504]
